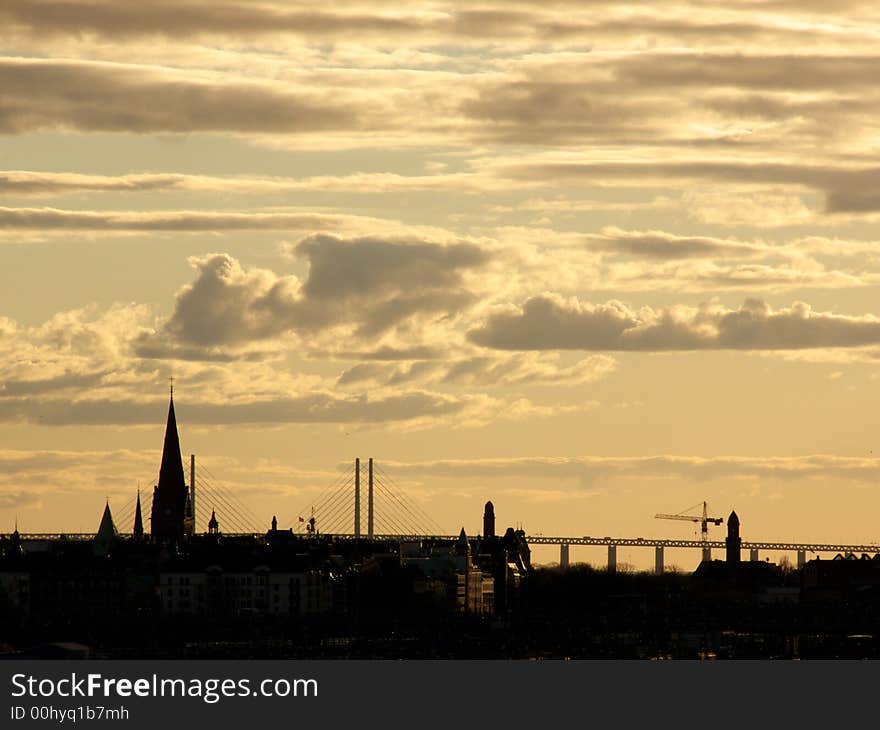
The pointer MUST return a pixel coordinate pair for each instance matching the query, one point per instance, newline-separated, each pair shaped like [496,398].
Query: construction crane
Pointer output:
[704,520]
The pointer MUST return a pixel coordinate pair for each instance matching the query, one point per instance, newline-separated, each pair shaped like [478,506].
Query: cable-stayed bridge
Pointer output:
[364,502]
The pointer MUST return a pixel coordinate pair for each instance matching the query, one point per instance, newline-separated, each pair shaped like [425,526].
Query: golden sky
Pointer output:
[590,260]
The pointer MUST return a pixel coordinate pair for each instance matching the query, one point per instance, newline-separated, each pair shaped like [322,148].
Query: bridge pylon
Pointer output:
[563,555]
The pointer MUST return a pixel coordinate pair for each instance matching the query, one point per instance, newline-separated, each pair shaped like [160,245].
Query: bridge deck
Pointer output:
[809,547]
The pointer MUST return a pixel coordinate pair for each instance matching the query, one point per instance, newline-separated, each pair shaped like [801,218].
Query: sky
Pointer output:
[590,260]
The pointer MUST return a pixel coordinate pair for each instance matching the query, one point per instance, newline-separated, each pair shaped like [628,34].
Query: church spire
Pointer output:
[172,463]
[107,528]
[169,497]
[106,532]
[138,529]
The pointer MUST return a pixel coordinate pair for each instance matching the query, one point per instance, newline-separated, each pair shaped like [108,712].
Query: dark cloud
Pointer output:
[358,267]
[755,71]
[553,111]
[392,279]
[369,284]
[103,97]
[183,18]
[662,97]
[426,22]
[855,199]
[548,322]
[227,305]
[613,100]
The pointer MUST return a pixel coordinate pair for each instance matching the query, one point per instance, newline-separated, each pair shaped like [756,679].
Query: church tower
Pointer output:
[170,494]
[489,520]
[213,525]
[733,541]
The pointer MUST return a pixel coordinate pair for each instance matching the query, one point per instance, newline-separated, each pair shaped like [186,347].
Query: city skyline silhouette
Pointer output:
[174,591]
[593,263]
[345,510]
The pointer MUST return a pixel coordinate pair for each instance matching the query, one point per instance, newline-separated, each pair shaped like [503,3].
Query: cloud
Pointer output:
[722,101]
[669,96]
[428,23]
[73,351]
[761,209]
[227,305]
[27,183]
[848,188]
[386,353]
[422,22]
[482,370]
[548,322]
[663,245]
[87,368]
[544,98]
[707,276]
[194,18]
[311,408]
[171,221]
[588,469]
[89,353]
[18,500]
[106,97]
[408,409]
[530,111]
[39,462]
[392,279]
[754,71]
[369,284]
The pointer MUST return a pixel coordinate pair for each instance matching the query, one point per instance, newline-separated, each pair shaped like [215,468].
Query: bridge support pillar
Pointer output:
[801,558]
[707,552]
[753,555]
[563,555]
[612,558]
[658,560]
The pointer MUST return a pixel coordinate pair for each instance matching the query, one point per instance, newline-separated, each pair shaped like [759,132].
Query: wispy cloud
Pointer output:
[589,468]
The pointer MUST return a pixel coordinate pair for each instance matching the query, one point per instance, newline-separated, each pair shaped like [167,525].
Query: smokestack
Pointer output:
[370,503]
[357,498]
